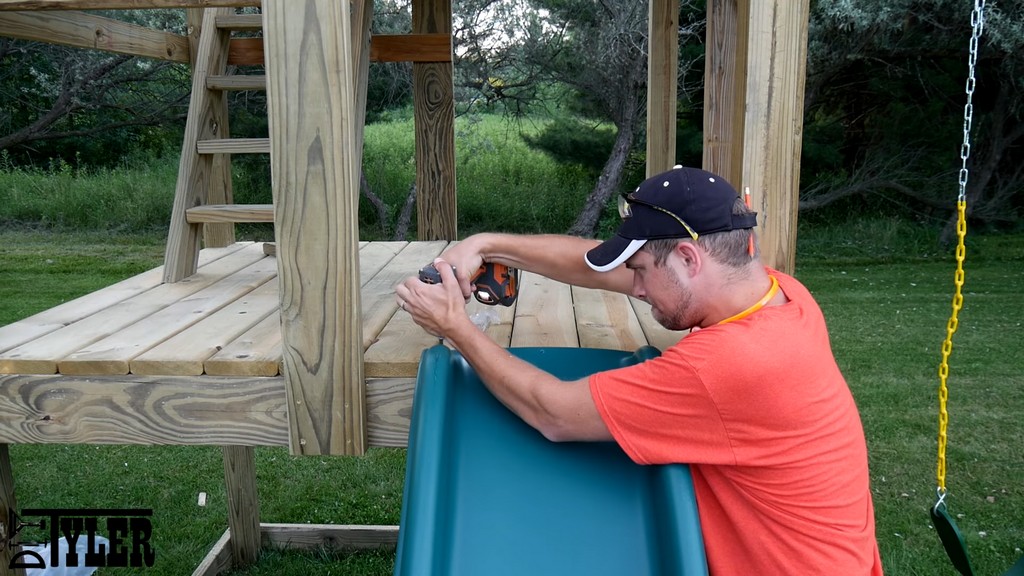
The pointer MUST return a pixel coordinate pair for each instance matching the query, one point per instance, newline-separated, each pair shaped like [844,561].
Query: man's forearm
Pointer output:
[557,257]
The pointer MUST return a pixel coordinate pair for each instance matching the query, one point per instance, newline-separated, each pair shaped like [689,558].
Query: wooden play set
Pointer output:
[300,343]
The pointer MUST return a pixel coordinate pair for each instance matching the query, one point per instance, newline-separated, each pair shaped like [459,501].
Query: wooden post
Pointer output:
[758,50]
[8,505]
[434,103]
[777,67]
[243,504]
[314,170]
[662,69]
[725,77]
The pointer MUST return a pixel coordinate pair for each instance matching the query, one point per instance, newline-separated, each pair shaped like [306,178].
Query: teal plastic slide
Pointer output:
[486,494]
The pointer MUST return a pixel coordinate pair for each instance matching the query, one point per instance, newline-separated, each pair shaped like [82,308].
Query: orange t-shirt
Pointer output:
[760,411]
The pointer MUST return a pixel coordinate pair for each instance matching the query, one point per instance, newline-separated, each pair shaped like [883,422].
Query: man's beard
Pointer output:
[678,318]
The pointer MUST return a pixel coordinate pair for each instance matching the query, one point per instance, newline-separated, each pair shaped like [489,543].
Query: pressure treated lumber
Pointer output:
[434,102]
[243,504]
[230,213]
[175,410]
[233,146]
[311,105]
[662,70]
[237,82]
[22,331]
[426,47]
[544,313]
[753,111]
[82,30]
[120,4]
[606,320]
[197,175]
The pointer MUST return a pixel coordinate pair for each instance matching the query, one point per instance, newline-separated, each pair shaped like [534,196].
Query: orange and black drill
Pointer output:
[495,283]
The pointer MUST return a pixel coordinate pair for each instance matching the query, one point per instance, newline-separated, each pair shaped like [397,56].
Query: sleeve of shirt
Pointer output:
[660,411]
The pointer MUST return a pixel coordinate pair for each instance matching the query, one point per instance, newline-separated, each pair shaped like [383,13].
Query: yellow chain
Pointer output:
[947,345]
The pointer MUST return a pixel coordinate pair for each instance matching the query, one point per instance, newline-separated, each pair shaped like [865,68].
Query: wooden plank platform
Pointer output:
[224,320]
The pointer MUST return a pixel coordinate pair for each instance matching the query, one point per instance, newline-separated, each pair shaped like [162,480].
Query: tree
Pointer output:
[885,102]
[62,101]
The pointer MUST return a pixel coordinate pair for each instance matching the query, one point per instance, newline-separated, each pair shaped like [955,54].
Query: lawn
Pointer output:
[886,304]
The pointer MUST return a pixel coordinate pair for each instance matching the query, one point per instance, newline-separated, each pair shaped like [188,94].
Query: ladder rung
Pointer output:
[236,82]
[240,22]
[234,146]
[230,213]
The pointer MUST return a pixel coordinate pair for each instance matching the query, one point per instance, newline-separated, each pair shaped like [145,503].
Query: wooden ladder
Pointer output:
[203,210]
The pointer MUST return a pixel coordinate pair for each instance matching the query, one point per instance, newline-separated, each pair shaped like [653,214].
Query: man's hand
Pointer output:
[466,257]
[439,309]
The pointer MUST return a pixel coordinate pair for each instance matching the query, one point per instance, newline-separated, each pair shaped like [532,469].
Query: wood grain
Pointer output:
[311,105]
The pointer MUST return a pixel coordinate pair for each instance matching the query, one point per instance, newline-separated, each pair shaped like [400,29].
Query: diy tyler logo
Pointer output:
[127,543]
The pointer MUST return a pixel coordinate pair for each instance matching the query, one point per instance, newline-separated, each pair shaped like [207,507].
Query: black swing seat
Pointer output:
[955,546]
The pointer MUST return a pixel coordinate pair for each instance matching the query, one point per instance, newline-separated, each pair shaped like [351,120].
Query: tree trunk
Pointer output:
[607,183]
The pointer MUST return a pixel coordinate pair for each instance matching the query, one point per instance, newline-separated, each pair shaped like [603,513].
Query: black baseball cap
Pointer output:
[674,204]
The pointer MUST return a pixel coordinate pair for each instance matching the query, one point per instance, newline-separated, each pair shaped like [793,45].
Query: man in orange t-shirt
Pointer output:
[752,398]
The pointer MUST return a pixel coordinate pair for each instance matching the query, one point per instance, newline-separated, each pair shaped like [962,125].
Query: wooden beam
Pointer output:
[120,4]
[310,94]
[753,111]
[774,114]
[329,536]
[175,410]
[662,69]
[218,559]
[231,213]
[82,30]
[434,104]
[725,80]
[383,48]
[411,48]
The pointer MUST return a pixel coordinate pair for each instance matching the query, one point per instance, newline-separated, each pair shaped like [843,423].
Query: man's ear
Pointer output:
[689,256]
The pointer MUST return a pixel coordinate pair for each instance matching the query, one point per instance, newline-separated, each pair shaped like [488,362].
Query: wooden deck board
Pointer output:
[22,331]
[185,353]
[606,320]
[544,313]
[40,356]
[257,352]
[112,354]
[225,320]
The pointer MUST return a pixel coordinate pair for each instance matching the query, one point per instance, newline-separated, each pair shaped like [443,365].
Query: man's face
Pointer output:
[670,299]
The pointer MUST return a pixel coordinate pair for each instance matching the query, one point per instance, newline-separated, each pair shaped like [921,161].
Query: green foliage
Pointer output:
[125,199]
[570,140]
[502,184]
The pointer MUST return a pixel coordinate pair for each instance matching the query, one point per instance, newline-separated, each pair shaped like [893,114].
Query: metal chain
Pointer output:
[977,24]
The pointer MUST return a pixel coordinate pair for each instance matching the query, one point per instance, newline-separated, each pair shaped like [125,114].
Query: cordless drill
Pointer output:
[495,283]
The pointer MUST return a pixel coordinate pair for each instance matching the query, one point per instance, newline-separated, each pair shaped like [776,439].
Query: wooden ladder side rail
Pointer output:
[207,119]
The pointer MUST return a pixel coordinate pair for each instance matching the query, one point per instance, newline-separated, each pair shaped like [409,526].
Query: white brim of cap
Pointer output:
[598,258]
